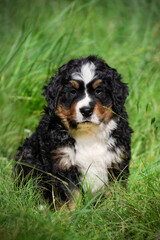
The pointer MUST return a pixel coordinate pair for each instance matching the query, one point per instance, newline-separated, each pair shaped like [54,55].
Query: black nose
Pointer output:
[86,111]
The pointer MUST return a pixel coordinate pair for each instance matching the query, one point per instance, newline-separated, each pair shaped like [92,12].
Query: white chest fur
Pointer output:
[93,156]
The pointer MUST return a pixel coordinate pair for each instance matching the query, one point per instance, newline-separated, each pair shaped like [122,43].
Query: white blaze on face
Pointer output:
[82,103]
[86,75]
[88,72]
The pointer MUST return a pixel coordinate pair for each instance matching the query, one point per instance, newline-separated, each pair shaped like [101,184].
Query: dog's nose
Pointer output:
[86,111]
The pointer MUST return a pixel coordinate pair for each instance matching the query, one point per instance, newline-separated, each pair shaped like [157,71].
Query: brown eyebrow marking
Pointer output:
[74,83]
[96,83]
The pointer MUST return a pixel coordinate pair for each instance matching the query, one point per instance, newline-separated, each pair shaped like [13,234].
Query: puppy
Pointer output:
[83,139]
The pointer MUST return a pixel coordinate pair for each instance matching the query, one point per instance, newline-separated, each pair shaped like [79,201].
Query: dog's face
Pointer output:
[83,97]
[86,90]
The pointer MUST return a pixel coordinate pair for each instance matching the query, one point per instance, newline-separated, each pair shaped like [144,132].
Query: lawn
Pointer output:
[36,38]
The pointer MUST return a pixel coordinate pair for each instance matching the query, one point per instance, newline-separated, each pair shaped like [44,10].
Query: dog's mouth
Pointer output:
[86,121]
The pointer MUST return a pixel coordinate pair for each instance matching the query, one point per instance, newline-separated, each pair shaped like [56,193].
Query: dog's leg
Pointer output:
[63,164]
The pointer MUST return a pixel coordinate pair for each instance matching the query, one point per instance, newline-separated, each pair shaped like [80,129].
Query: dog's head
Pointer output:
[86,90]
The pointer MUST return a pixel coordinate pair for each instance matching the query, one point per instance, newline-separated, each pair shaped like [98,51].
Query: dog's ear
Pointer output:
[119,92]
[51,92]
[53,89]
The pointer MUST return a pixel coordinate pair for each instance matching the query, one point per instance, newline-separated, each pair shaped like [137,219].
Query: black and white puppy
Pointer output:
[83,139]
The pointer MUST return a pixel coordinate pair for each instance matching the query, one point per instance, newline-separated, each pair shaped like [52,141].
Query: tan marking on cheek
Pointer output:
[66,114]
[96,83]
[74,83]
[103,114]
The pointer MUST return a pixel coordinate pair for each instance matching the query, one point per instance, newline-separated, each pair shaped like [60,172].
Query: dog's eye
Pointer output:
[73,92]
[98,91]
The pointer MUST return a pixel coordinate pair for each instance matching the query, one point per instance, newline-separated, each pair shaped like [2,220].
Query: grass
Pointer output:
[38,37]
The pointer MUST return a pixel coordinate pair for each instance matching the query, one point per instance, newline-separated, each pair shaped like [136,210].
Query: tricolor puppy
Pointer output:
[83,139]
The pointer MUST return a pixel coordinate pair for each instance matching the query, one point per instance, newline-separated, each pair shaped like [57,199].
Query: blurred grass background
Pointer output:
[36,37]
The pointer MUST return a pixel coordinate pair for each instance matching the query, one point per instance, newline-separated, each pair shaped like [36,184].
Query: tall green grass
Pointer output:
[36,38]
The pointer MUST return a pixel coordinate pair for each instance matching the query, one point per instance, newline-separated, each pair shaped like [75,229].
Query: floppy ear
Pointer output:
[52,90]
[119,92]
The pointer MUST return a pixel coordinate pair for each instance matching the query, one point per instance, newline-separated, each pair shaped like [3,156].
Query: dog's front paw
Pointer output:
[64,157]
